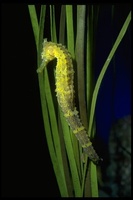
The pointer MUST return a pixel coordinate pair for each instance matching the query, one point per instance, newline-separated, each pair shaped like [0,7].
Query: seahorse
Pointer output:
[64,75]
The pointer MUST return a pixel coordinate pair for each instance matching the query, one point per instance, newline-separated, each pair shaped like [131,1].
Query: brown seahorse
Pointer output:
[65,92]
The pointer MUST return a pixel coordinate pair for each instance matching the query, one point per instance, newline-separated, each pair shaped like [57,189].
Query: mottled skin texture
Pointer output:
[65,92]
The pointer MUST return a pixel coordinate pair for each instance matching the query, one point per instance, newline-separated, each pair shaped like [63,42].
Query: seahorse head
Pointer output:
[48,51]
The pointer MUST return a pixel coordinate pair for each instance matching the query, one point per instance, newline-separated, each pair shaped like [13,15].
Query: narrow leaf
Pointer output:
[34,22]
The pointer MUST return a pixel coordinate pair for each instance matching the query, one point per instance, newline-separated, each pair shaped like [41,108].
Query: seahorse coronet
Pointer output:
[64,76]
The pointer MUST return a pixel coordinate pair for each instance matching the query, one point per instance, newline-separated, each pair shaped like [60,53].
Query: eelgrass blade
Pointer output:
[93,177]
[70,30]
[105,66]
[65,161]
[87,184]
[53,156]
[34,22]
[55,135]
[62,25]
[53,24]
[66,166]
[71,158]
[79,51]
[80,58]
[41,31]
[89,71]
[70,46]
[51,148]
[93,172]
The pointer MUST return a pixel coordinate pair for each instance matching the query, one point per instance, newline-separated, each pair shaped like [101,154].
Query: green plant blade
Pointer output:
[102,73]
[53,24]
[62,25]
[55,133]
[71,158]
[70,31]
[34,22]
[93,178]
[79,51]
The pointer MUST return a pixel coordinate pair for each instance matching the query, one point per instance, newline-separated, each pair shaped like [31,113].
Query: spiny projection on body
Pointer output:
[65,92]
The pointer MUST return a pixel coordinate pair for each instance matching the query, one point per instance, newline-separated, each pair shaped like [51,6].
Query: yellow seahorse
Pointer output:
[65,92]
